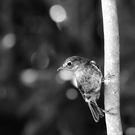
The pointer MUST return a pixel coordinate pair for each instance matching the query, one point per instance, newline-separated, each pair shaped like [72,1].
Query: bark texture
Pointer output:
[111,67]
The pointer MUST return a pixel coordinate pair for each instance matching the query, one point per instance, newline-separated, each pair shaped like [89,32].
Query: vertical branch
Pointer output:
[112,68]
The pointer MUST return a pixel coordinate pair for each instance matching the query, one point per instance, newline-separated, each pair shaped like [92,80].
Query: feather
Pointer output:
[96,111]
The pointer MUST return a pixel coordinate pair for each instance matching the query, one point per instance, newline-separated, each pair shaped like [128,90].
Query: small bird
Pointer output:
[88,78]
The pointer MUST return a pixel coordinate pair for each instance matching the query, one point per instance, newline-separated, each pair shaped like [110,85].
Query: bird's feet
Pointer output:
[108,78]
[110,111]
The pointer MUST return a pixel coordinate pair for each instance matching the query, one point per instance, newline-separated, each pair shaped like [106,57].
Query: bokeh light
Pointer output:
[58,13]
[65,75]
[29,76]
[130,131]
[40,60]
[8,41]
[71,94]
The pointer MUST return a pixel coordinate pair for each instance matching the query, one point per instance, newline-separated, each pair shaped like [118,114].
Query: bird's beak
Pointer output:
[60,68]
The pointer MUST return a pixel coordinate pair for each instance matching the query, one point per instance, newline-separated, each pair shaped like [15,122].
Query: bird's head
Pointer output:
[73,63]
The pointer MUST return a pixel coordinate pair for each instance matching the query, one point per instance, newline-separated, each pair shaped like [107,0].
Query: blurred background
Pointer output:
[35,37]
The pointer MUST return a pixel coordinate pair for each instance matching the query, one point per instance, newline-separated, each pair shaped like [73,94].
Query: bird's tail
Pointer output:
[96,111]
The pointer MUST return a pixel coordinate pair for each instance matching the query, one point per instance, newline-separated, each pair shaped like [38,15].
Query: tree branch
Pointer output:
[112,68]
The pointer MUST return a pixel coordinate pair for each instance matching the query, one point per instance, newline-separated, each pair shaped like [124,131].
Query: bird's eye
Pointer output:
[69,63]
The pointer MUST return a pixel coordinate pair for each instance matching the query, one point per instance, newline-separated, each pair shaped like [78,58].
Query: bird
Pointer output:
[88,79]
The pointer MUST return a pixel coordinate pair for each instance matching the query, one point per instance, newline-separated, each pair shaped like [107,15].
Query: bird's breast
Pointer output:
[88,81]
